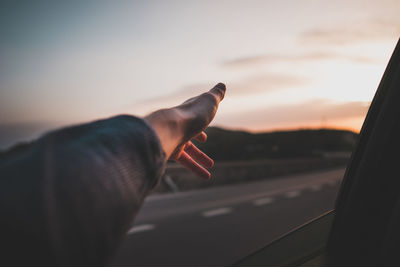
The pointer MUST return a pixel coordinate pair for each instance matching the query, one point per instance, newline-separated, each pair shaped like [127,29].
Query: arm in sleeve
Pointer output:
[69,199]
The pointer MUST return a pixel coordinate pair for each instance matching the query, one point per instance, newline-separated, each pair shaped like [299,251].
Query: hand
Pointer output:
[178,125]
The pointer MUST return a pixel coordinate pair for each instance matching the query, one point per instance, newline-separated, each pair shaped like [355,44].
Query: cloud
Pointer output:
[266,83]
[370,30]
[173,98]
[256,84]
[306,114]
[299,58]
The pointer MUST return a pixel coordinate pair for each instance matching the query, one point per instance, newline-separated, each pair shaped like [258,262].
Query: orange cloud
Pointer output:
[316,113]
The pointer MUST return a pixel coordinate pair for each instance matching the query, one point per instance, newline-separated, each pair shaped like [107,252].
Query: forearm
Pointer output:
[78,189]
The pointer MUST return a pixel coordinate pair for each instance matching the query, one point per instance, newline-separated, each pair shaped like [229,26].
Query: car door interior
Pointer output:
[366,228]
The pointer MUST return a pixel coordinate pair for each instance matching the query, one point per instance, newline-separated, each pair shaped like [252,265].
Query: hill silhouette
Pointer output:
[227,145]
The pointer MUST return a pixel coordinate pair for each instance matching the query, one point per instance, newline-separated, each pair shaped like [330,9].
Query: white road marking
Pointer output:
[141,228]
[315,187]
[292,194]
[263,201]
[217,212]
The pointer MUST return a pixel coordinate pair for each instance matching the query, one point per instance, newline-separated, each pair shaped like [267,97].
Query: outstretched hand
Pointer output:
[177,126]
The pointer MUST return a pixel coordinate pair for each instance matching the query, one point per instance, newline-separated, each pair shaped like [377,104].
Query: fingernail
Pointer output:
[221,86]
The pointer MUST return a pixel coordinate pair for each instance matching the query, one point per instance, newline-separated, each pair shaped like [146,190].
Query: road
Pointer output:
[218,226]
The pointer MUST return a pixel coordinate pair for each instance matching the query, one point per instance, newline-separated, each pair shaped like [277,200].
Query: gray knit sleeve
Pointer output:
[69,198]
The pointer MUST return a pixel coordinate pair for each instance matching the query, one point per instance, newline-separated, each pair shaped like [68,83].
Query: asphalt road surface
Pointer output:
[218,226]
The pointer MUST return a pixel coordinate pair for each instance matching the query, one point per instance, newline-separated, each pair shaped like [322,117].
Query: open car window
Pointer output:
[361,230]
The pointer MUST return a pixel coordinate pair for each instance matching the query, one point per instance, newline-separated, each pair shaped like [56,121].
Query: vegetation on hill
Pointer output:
[224,145]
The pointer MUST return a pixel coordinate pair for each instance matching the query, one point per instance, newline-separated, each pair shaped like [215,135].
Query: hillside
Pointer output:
[227,145]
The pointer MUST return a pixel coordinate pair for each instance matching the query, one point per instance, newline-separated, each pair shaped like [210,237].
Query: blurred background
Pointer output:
[300,78]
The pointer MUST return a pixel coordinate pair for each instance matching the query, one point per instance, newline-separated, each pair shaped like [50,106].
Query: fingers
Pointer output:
[218,91]
[198,155]
[193,166]
[195,160]
[201,137]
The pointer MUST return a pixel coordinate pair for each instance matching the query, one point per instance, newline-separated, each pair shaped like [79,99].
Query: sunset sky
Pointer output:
[286,64]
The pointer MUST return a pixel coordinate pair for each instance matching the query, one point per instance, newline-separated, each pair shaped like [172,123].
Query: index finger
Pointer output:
[218,91]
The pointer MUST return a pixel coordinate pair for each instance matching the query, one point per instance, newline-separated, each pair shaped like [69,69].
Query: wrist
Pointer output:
[168,125]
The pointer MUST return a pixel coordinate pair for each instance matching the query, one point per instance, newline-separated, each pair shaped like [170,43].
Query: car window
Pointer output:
[300,78]
[373,170]
[333,239]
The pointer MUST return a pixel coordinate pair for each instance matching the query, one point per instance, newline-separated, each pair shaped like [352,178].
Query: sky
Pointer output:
[287,64]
